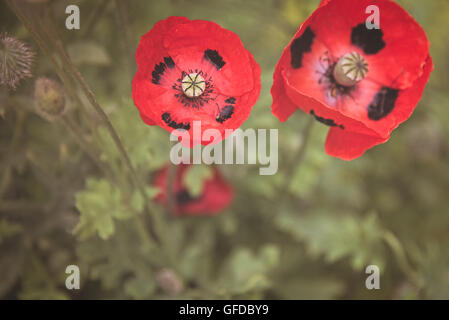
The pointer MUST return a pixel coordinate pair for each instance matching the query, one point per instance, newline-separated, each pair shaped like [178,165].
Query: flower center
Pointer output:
[350,69]
[193,85]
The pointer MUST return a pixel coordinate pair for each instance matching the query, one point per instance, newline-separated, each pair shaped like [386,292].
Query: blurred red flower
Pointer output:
[361,82]
[194,71]
[217,193]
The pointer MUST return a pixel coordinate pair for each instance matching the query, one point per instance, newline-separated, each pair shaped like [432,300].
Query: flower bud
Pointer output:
[49,98]
[169,282]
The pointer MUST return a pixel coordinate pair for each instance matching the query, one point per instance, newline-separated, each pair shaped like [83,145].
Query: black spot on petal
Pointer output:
[173,124]
[169,62]
[383,103]
[183,197]
[300,46]
[231,100]
[214,57]
[158,72]
[160,68]
[225,113]
[327,122]
[369,40]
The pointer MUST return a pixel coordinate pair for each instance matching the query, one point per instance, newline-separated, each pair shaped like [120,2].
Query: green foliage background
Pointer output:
[390,207]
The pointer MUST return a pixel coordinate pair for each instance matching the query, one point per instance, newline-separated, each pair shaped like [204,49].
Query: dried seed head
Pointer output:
[49,98]
[16,59]
[169,282]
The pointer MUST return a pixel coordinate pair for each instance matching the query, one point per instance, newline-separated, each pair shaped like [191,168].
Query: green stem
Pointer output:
[121,14]
[401,257]
[298,158]
[94,17]
[42,43]
[18,130]
[103,116]
[73,71]
[170,182]
[115,137]
[76,132]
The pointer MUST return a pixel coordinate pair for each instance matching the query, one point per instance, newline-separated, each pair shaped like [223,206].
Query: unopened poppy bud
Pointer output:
[16,59]
[49,98]
[169,282]
[350,69]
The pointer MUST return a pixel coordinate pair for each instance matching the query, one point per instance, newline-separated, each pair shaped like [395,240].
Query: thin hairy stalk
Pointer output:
[297,159]
[70,68]
[107,122]
[17,135]
[401,258]
[170,183]
[42,43]
[94,17]
[121,14]
[99,110]
[84,144]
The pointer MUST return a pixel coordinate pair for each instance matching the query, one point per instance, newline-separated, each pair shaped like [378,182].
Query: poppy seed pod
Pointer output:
[361,82]
[49,98]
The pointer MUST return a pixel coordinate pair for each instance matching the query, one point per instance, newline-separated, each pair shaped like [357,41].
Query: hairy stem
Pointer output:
[76,132]
[70,68]
[18,131]
[121,14]
[298,157]
[401,257]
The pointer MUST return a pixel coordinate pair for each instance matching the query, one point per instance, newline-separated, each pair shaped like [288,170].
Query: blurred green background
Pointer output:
[389,208]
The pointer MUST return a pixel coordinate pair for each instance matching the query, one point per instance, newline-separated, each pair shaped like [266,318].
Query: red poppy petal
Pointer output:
[217,196]
[143,94]
[221,50]
[323,113]
[397,106]
[146,55]
[282,106]
[147,120]
[398,33]
[348,145]
[217,192]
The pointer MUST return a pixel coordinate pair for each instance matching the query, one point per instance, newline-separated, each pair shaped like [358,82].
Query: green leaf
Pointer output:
[152,191]
[144,145]
[247,271]
[195,177]
[37,283]
[121,261]
[137,201]
[99,204]
[337,237]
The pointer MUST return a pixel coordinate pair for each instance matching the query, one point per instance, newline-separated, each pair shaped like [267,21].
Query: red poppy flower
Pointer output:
[194,71]
[361,82]
[217,192]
